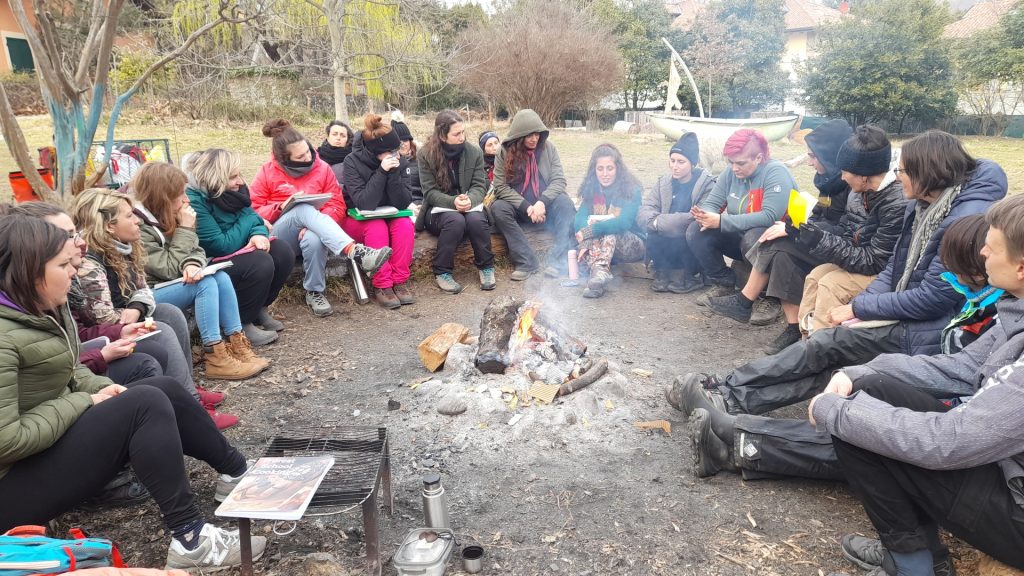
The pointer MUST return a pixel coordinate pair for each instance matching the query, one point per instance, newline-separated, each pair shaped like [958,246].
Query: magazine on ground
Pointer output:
[315,200]
[277,488]
[210,269]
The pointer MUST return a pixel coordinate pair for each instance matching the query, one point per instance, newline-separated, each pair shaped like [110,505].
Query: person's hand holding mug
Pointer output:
[390,162]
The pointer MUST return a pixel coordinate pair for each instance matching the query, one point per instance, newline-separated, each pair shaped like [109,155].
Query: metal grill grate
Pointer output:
[359,454]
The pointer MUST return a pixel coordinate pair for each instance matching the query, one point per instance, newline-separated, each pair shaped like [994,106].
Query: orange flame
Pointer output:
[523,331]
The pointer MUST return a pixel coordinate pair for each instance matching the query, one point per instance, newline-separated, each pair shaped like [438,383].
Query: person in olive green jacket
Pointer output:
[454,182]
[228,227]
[529,188]
[65,432]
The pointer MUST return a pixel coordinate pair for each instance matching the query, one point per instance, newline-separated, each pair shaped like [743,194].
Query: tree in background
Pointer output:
[548,55]
[737,46]
[74,79]
[888,64]
[639,26]
[990,72]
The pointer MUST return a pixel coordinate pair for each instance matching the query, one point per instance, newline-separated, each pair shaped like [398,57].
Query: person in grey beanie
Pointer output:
[665,215]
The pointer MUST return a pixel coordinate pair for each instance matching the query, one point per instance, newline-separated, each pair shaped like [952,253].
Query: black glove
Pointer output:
[810,235]
[792,231]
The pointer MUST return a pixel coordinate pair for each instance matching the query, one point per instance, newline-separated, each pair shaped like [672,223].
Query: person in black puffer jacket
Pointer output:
[410,167]
[855,244]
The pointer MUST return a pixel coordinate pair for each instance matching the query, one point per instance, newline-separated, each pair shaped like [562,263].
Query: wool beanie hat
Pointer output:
[402,130]
[825,141]
[383,143]
[865,162]
[688,146]
[485,137]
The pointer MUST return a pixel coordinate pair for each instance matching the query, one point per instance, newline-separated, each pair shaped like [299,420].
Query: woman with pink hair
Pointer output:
[748,198]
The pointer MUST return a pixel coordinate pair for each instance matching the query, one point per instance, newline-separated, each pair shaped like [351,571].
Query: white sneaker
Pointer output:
[218,549]
[225,483]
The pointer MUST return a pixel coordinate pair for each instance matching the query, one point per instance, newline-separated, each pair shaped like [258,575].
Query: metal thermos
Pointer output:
[435,502]
[574,265]
[362,296]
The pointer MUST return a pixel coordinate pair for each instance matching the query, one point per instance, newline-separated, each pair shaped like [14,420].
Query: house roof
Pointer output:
[800,14]
[978,18]
[807,15]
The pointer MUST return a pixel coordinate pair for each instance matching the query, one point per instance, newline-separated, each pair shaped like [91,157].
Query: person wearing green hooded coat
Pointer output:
[529,188]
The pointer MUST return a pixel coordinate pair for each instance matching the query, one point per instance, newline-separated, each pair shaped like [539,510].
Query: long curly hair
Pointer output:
[92,211]
[625,187]
[432,151]
[515,155]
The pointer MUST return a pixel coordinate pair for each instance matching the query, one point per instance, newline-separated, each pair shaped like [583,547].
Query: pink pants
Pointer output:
[395,232]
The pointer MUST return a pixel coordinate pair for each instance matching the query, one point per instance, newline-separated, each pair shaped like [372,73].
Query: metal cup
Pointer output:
[472,558]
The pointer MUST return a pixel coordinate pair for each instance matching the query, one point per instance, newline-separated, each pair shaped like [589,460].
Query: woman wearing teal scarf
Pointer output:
[960,253]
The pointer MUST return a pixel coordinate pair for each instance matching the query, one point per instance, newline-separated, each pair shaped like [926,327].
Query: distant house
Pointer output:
[978,18]
[994,98]
[17,55]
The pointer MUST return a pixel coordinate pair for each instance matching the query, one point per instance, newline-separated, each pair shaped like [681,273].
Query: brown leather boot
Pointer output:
[241,348]
[222,365]
[386,297]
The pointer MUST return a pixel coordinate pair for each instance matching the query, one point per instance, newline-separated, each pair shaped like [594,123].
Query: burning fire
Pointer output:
[523,332]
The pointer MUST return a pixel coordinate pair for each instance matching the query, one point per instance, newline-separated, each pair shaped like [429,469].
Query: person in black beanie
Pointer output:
[665,215]
[410,167]
[490,144]
[859,244]
[336,147]
[823,145]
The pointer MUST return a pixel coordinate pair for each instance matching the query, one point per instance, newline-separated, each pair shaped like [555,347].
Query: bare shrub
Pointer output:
[549,55]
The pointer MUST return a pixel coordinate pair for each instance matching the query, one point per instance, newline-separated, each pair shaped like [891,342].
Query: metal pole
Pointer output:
[686,70]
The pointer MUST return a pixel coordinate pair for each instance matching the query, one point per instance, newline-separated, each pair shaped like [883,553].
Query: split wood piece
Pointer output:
[496,326]
[434,348]
[586,379]
[548,329]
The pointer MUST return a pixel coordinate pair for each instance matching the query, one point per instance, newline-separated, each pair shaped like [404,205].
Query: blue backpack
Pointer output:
[26,551]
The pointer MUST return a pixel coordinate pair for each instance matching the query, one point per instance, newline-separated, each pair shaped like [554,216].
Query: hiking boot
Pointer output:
[487,281]
[122,490]
[661,281]
[268,322]
[731,307]
[686,284]
[404,293]
[207,397]
[220,420]
[676,394]
[370,259]
[447,283]
[259,336]
[595,287]
[710,453]
[716,291]
[551,272]
[765,311]
[221,364]
[387,298]
[241,349]
[218,549]
[788,337]
[318,304]
[226,483]
[869,553]
[519,275]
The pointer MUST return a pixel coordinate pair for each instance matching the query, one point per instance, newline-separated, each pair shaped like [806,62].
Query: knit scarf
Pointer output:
[927,218]
[233,201]
[974,300]
[531,178]
[333,154]
[453,155]
[299,169]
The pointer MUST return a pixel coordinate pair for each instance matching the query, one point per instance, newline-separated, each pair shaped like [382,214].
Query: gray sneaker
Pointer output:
[487,281]
[869,554]
[318,304]
[258,336]
[268,322]
[447,283]
[225,483]
[716,291]
[370,259]
[766,311]
[218,549]
[521,274]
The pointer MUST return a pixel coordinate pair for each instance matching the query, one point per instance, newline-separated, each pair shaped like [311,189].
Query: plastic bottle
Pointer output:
[435,502]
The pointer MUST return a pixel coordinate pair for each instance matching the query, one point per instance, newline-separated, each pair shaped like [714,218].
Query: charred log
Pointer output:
[496,326]
[600,368]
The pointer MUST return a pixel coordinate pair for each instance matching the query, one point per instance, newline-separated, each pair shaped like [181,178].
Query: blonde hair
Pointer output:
[92,211]
[211,169]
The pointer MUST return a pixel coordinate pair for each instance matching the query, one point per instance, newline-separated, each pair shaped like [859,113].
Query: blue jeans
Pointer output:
[322,235]
[216,305]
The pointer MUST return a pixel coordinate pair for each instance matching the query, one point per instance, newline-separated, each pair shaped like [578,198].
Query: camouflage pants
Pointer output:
[599,253]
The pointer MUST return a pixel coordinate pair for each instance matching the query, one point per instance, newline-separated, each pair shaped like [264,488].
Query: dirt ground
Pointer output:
[551,494]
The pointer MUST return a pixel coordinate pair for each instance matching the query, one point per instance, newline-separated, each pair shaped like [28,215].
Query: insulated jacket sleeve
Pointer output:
[167,261]
[930,299]
[776,185]
[716,200]
[988,428]
[432,195]
[650,207]
[93,279]
[478,182]
[502,189]
[869,259]
[23,434]
[366,193]
[220,241]
[555,176]
[260,192]
[623,222]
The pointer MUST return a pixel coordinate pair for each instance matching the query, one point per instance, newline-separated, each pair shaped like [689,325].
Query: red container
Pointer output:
[22,189]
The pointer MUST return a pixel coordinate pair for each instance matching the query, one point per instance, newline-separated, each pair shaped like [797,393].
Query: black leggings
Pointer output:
[135,367]
[258,277]
[450,228]
[148,426]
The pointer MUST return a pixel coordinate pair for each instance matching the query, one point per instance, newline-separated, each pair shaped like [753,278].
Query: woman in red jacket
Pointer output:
[312,229]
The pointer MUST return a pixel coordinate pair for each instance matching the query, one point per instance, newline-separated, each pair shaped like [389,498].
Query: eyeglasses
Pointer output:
[896,171]
[811,155]
[74,235]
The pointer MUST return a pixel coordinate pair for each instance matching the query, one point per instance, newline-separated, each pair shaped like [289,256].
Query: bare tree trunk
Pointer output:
[334,10]
[19,149]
